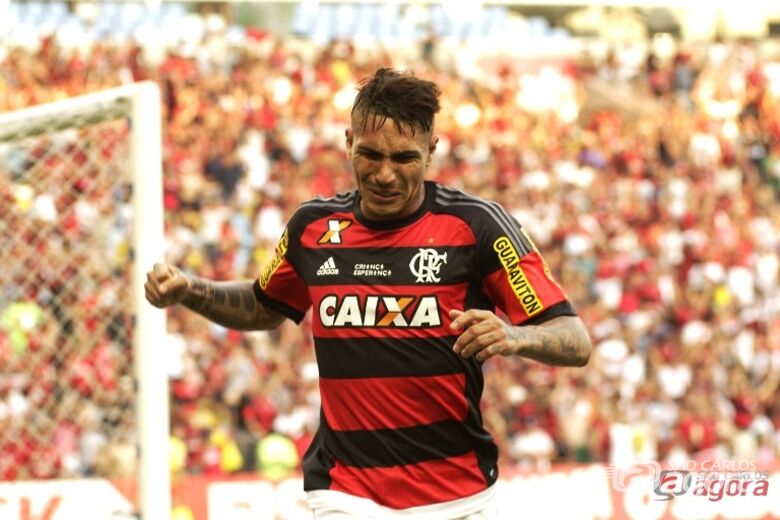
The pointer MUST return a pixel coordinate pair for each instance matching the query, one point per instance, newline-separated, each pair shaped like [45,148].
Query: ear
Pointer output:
[348,141]
[432,147]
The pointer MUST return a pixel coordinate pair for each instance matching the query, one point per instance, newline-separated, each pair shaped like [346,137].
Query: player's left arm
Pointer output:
[561,341]
[541,323]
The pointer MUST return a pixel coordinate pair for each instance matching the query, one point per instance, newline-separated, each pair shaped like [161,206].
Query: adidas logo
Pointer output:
[328,267]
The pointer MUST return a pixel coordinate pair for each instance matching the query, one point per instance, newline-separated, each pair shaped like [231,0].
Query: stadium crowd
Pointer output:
[660,224]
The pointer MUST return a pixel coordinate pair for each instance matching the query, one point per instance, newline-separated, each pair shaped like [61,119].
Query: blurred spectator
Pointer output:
[277,457]
[663,224]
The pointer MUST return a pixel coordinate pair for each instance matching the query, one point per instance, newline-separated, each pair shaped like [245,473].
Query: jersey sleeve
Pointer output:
[514,275]
[279,286]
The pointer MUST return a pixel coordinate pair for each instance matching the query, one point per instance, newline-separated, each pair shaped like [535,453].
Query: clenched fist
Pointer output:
[166,285]
[484,334]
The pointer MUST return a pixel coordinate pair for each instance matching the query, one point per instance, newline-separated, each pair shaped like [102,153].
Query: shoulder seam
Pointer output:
[335,203]
[339,201]
[315,209]
[451,197]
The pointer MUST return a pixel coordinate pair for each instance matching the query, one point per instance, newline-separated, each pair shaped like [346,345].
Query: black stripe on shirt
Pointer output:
[401,446]
[457,266]
[564,308]
[388,357]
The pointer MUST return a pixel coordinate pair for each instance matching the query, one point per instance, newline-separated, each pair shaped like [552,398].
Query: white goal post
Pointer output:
[49,158]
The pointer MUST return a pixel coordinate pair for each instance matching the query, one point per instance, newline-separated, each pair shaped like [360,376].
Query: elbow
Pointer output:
[583,354]
[584,347]
[582,358]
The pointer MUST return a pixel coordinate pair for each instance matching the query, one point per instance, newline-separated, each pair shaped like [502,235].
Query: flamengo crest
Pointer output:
[426,265]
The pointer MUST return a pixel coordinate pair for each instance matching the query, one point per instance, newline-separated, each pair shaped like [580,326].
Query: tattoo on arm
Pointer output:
[230,304]
[205,292]
[562,341]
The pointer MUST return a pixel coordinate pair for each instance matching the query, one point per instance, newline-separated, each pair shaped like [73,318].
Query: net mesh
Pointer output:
[66,386]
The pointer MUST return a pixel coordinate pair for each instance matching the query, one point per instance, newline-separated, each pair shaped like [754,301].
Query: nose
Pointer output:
[385,175]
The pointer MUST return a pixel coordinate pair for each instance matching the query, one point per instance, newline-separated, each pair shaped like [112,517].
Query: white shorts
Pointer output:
[335,505]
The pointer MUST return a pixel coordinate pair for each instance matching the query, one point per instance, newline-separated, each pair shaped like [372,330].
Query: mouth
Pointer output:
[384,196]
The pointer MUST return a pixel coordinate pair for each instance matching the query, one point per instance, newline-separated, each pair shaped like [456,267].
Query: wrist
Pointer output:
[521,339]
[194,293]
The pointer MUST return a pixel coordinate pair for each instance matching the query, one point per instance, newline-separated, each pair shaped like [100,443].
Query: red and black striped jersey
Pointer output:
[400,422]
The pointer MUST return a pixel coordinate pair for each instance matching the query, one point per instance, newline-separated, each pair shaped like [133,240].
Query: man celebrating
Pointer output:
[404,277]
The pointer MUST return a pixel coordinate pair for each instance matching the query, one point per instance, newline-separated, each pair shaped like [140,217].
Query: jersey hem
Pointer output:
[359,507]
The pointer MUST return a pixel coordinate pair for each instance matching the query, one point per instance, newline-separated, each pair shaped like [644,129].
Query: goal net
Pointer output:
[80,223]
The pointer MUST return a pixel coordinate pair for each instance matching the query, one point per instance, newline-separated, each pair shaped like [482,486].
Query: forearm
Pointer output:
[230,304]
[562,341]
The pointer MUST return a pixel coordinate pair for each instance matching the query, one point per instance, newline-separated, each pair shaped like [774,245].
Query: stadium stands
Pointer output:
[662,226]
[320,22]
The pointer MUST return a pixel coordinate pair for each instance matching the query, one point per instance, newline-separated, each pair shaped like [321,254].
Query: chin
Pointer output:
[382,212]
[386,211]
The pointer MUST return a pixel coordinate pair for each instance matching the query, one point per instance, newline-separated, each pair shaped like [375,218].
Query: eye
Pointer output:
[372,156]
[404,159]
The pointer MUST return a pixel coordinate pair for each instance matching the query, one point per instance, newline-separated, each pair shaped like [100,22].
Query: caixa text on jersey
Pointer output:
[379,311]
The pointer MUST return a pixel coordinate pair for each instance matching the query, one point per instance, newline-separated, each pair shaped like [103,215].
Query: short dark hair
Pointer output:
[397,95]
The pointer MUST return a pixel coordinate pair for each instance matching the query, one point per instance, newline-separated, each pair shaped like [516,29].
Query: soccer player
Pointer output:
[404,278]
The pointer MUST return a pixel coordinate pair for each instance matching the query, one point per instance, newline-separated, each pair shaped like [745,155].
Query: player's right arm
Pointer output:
[230,304]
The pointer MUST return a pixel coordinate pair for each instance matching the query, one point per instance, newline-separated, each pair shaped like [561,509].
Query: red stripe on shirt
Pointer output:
[430,231]
[285,286]
[401,487]
[531,282]
[393,402]
[381,332]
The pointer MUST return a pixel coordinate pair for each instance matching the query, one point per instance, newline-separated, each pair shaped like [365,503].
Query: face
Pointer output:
[389,167]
